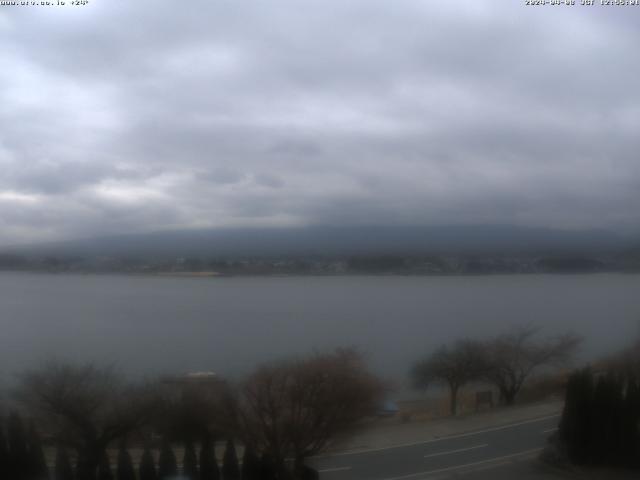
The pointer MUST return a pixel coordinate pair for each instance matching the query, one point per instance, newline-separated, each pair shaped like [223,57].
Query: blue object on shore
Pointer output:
[388,408]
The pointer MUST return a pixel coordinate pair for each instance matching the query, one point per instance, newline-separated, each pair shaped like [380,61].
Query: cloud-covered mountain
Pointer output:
[341,241]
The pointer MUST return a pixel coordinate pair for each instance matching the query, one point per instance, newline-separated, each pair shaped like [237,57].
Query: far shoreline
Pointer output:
[212,274]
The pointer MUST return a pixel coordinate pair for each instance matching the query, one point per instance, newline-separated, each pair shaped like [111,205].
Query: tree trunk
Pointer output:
[454,400]
[88,461]
[298,467]
[302,471]
[277,468]
[508,396]
[283,473]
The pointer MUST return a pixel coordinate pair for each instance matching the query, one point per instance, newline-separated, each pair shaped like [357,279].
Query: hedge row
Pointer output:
[601,419]
[22,458]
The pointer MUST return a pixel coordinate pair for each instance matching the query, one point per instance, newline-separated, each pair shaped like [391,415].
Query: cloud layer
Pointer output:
[137,116]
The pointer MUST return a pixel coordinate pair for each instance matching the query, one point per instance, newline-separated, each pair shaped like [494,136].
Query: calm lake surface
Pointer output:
[147,325]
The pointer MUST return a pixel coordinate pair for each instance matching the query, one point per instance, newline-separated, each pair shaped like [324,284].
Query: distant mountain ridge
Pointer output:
[341,241]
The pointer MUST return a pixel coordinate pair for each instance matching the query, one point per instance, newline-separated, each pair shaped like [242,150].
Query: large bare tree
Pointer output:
[85,407]
[193,408]
[453,366]
[512,358]
[295,409]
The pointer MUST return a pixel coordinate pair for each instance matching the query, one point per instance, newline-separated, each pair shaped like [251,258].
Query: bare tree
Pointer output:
[513,357]
[193,410]
[85,407]
[295,409]
[453,366]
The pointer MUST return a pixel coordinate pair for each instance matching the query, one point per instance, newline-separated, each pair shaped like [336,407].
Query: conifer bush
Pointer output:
[600,422]
[230,466]
[167,464]
[125,469]
[190,462]
[18,464]
[250,465]
[37,468]
[209,469]
[104,468]
[62,469]
[147,468]
[4,452]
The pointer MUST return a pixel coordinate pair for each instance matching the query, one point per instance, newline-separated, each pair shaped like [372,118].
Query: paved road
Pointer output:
[437,458]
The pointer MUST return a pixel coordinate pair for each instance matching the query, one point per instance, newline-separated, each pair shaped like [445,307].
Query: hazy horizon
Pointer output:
[337,242]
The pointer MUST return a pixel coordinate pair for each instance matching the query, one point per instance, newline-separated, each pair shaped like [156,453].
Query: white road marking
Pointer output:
[338,469]
[475,447]
[550,430]
[441,439]
[466,465]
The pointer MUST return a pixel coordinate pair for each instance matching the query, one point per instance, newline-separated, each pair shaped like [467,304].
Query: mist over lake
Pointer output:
[149,325]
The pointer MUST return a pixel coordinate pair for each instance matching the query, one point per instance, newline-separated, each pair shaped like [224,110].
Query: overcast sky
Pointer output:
[128,116]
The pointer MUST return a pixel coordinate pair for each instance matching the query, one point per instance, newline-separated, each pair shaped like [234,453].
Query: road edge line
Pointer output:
[439,439]
[466,465]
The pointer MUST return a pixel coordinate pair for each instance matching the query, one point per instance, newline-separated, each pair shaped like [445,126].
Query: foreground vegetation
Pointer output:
[281,414]
[600,425]
[97,426]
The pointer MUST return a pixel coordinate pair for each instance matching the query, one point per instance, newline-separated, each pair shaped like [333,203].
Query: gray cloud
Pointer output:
[136,116]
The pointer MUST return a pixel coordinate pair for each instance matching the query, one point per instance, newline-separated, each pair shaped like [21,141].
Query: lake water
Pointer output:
[163,324]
